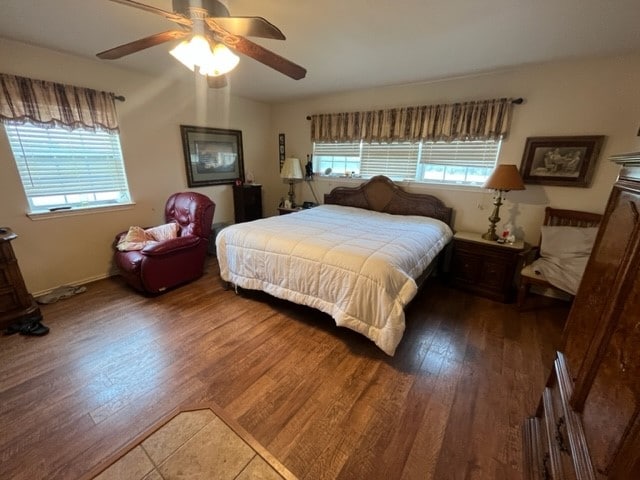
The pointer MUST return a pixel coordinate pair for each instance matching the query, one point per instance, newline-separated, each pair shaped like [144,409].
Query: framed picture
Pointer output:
[562,161]
[213,156]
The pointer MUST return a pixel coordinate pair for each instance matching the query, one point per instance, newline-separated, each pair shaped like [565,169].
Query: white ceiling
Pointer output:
[348,44]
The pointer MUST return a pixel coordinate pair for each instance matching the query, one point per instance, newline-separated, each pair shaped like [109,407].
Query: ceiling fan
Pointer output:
[210,20]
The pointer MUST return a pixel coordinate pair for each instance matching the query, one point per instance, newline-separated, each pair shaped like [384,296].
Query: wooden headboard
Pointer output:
[382,195]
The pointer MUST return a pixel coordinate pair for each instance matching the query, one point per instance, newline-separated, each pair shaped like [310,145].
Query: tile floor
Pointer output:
[192,445]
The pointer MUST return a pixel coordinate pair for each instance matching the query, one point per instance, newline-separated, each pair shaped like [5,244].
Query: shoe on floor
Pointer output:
[33,329]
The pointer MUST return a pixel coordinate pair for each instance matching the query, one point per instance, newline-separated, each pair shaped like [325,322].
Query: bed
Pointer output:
[360,257]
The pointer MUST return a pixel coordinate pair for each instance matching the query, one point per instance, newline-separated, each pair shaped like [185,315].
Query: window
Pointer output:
[62,169]
[460,162]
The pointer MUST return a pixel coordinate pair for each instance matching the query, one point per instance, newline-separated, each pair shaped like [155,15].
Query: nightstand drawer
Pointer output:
[466,267]
[483,267]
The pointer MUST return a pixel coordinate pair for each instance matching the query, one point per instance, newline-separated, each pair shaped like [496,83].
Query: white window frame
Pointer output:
[65,170]
[466,163]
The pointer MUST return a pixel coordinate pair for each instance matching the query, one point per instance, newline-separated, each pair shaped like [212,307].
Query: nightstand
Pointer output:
[284,211]
[485,267]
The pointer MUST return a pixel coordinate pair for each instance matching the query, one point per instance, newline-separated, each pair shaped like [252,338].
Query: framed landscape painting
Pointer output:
[561,161]
[213,156]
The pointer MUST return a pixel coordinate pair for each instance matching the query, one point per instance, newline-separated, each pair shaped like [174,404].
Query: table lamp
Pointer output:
[503,179]
[291,171]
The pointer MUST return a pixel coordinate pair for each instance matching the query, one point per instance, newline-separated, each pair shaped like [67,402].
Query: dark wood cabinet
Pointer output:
[15,301]
[484,267]
[247,202]
[599,362]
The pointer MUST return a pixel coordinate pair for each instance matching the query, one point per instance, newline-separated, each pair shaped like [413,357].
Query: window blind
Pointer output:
[461,154]
[395,160]
[337,149]
[56,161]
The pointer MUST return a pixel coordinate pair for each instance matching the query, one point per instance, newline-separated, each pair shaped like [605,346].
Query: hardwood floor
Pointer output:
[323,400]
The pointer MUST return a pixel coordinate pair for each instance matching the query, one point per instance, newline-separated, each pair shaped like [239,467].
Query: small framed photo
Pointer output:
[281,152]
[560,161]
[213,156]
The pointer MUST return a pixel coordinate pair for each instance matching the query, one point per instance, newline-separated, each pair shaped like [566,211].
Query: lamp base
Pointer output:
[490,235]
[494,218]
[291,194]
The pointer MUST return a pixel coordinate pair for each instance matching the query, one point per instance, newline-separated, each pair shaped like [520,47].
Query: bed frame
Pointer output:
[382,195]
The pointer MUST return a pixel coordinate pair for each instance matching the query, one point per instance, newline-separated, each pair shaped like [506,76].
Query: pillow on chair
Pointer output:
[137,238]
[564,252]
[567,241]
[162,232]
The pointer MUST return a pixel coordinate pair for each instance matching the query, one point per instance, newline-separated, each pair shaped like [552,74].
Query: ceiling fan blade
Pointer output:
[174,17]
[217,82]
[262,55]
[141,44]
[247,26]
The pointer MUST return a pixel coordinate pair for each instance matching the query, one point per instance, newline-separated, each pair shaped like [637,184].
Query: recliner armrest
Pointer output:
[170,246]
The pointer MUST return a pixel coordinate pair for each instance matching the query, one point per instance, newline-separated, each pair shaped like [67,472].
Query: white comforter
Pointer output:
[357,265]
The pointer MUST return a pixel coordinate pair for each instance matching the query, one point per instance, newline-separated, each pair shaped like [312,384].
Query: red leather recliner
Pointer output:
[172,262]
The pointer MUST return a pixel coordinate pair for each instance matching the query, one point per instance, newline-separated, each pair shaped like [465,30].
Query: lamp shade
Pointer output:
[505,178]
[291,169]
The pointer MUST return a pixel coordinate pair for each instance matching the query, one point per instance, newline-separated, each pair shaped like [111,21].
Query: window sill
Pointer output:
[403,183]
[79,211]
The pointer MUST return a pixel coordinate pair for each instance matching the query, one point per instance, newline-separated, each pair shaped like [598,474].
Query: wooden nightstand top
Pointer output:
[477,238]
[283,210]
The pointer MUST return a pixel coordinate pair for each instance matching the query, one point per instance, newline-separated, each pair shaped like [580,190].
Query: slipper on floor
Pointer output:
[35,329]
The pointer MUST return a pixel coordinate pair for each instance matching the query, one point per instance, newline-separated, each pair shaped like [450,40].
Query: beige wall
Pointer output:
[593,97]
[76,249]
[597,96]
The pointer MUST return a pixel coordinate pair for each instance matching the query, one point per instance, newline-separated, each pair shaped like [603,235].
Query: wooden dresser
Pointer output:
[15,302]
[588,421]
[247,202]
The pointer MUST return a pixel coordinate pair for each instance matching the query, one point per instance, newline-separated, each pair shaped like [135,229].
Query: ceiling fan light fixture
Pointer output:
[197,52]
[190,52]
[222,61]
[202,23]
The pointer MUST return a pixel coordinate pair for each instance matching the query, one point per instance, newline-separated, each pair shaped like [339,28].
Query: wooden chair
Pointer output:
[552,217]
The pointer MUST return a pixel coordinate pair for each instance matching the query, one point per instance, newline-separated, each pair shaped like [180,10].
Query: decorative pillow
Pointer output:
[162,232]
[564,252]
[135,239]
[562,242]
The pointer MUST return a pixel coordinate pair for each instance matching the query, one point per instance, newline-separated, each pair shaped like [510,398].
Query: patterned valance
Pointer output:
[480,120]
[47,103]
